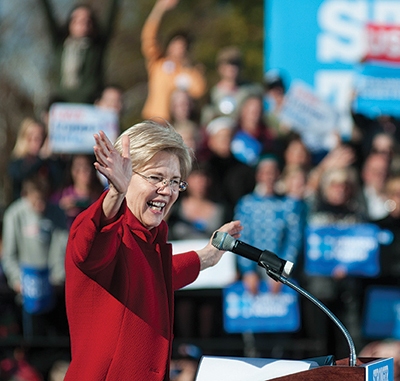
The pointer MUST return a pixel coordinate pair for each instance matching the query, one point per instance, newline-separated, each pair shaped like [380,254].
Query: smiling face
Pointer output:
[148,203]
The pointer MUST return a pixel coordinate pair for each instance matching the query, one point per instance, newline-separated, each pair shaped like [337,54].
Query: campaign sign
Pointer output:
[382,312]
[37,292]
[353,248]
[72,126]
[379,370]
[309,115]
[321,41]
[246,148]
[377,89]
[264,312]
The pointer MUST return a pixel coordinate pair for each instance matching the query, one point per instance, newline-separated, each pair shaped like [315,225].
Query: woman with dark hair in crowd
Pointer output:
[79,50]
[82,187]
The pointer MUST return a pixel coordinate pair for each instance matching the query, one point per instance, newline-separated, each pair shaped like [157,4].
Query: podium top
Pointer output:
[214,368]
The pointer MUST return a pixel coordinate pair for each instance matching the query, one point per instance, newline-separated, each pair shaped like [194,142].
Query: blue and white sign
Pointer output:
[379,370]
[377,90]
[321,41]
[72,126]
[352,248]
[314,119]
[37,292]
[264,312]
[382,312]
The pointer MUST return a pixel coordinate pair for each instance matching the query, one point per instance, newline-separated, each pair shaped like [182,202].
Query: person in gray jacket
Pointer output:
[34,241]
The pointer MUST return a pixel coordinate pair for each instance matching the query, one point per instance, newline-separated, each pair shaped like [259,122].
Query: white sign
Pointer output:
[218,276]
[72,126]
[306,113]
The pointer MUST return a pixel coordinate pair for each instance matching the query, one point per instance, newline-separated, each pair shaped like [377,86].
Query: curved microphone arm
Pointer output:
[282,279]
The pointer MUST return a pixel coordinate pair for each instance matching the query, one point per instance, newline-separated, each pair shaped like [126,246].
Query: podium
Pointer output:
[256,369]
[364,370]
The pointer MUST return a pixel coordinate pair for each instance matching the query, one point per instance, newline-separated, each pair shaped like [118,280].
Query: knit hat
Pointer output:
[220,123]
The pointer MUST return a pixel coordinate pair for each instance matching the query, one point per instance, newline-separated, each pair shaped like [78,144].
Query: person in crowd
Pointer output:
[231,178]
[26,159]
[252,137]
[296,165]
[275,91]
[296,153]
[195,215]
[341,156]
[226,96]
[111,97]
[18,367]
[79,51]
[374,173]
[293,182]
[81,188]
[34,241]
[390,253]
[336,203]
[370,127]
[270,221]
[169,70]
[191,135]
[118,261]
[182,108]
[384,144]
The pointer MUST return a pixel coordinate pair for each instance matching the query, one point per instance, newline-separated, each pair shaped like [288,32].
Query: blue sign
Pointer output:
[379,370]
[37,292]
[352,248]
[321,42]
[246,148]
[377,90]
[264,312]
[382,312]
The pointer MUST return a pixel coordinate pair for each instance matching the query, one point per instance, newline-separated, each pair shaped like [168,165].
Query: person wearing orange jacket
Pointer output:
[170,70]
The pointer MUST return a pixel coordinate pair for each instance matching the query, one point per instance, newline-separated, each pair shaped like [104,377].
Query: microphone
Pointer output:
[270,261]
[278,269]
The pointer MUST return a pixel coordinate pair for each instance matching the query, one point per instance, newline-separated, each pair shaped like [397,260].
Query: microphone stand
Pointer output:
[284,280]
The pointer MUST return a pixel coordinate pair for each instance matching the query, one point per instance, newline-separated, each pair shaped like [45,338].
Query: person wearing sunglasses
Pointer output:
[120,271]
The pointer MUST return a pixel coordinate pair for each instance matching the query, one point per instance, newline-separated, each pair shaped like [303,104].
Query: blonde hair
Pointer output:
[149,137]
[20,147]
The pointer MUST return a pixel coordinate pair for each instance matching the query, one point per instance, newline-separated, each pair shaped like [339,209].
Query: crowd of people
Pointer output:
[249,166]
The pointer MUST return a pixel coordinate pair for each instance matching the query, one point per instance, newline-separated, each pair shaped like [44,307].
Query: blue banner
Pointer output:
[353,248]
[264,312]
[321,42]
[382,312]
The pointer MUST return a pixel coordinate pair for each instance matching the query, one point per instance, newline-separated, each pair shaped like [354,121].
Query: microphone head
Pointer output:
[223,241]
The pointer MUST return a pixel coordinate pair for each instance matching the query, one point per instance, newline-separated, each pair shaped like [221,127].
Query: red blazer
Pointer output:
[120,281]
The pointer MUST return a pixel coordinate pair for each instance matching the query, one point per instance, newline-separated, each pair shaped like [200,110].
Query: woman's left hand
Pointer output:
[210,255]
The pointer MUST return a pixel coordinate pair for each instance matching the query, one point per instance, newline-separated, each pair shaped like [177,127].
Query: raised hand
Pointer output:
[166,5]
[115,167]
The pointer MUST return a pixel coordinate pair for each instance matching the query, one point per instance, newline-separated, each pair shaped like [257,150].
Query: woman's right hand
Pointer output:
[115,167]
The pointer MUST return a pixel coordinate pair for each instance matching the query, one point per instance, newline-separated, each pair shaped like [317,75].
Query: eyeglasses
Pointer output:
[160,182]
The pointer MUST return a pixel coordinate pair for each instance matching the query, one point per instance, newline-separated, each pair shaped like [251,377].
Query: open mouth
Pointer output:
[159,206]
